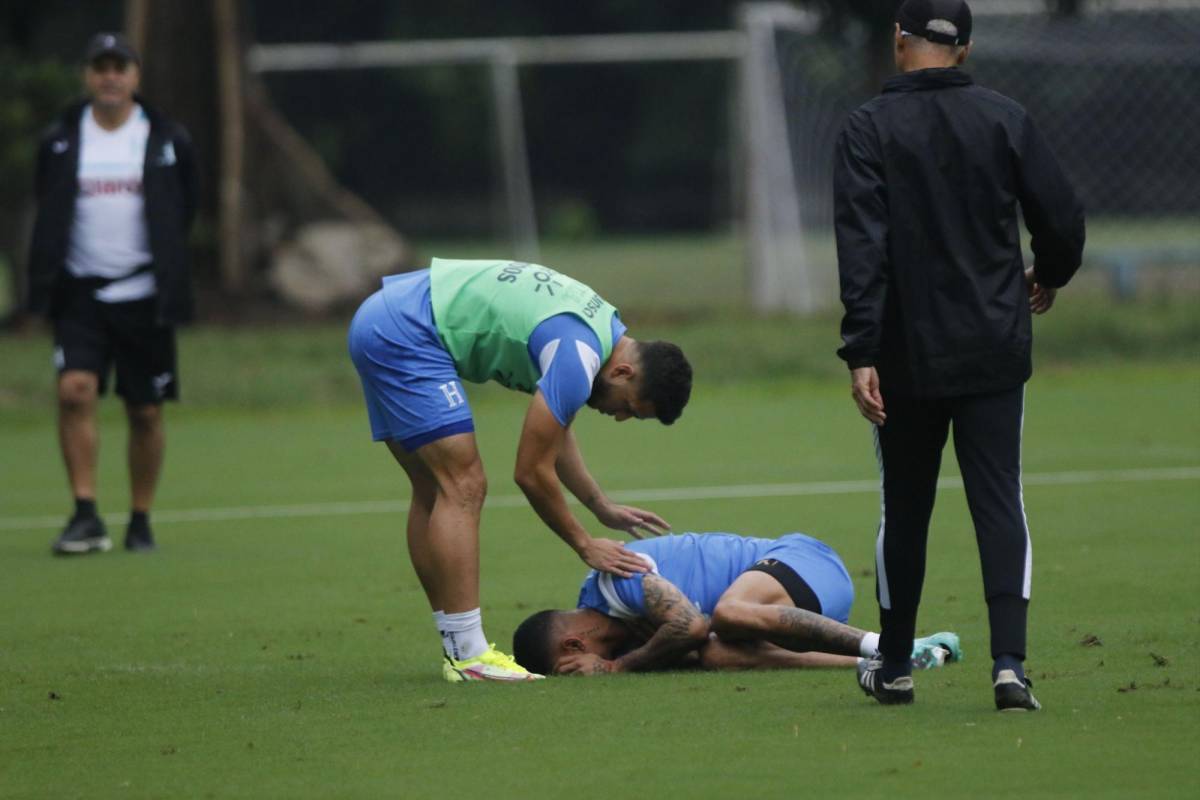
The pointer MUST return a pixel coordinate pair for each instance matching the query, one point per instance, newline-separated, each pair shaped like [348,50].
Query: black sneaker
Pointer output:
[1013,694]
[82,535]
[870,678]
[139,539]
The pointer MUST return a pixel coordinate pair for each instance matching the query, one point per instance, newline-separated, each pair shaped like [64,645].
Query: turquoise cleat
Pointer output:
[936,650]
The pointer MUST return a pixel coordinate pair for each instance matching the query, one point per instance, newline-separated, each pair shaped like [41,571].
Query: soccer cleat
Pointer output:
[139,540]
[81,536]
[870,679]
[492,665]
[936,650]
[1013,694]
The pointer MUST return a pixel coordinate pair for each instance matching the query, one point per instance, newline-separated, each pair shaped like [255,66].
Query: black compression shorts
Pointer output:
[796,587]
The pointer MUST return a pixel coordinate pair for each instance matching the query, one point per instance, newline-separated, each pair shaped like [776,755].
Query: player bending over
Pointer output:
[735,602]
[528,328]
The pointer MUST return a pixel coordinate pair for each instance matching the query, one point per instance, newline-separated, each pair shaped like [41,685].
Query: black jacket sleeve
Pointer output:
[36,260]
[40,168]
[185,153]
[1053,214]
[860,223]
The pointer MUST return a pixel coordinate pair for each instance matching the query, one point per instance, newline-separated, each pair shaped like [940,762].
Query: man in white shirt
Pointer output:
[108,265]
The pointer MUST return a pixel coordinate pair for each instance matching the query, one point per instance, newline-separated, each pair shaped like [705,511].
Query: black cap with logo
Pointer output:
[940,21]
[110,44]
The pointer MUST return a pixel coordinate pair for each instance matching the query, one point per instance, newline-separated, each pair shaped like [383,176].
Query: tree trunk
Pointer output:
[229,200]
[261,185]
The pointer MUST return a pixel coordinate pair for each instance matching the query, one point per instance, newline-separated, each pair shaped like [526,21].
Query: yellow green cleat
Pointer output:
[491,665]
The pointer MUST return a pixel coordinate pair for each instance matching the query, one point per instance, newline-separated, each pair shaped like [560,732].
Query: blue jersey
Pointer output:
[703,565]
[565,349]
[411,386]
[567,352]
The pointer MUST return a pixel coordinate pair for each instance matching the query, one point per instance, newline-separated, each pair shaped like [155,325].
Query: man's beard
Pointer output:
[601,389]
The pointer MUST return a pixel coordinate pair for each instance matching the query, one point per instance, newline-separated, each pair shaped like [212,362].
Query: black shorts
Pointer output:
[797,588]
[93,336]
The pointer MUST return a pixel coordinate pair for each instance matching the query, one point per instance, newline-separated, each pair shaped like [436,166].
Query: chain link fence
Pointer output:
[1113,91]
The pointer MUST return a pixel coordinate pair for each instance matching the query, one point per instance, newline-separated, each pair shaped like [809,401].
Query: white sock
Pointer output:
[462,633]
[869,645]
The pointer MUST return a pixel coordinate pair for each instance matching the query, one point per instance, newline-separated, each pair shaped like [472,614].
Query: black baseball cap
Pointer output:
[940,21]
[110,44]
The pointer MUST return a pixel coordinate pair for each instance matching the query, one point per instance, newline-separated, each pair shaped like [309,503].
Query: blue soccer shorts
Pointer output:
[413,393]
[821,568]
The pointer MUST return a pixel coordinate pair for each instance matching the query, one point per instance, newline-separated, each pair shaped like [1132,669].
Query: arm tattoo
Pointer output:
[667,607]
[804,630]
[675,619]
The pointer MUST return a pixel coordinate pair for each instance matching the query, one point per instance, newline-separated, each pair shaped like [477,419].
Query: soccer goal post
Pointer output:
[781,273]
[787,269]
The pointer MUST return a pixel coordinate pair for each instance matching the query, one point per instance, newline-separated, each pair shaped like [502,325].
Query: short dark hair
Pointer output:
[533,642]
[666,379]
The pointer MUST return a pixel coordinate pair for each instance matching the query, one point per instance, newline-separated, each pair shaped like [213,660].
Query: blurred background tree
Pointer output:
[616,150]
[35,91]
[37,78]
[602,134]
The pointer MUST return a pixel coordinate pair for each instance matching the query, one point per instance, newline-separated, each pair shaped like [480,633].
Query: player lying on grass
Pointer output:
[728,601]
[531,329]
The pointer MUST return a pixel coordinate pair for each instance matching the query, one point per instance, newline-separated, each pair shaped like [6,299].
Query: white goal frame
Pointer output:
[779,278]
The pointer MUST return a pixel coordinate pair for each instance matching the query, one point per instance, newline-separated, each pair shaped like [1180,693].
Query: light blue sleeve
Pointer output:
[623,597]
[589,594]
[568,353]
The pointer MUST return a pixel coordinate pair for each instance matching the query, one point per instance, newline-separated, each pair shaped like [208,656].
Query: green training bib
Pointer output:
[485,312]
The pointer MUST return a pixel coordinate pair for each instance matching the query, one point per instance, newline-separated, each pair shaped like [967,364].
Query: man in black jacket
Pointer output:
[108,265]
[937,327]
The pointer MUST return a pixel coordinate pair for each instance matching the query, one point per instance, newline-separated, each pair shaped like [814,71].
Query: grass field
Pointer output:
[278,645]
[678,275]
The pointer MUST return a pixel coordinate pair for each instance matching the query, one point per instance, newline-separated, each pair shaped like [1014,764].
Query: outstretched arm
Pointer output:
[573,473]
[543,440]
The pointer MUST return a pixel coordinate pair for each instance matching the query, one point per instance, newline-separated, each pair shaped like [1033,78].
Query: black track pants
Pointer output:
[987,440]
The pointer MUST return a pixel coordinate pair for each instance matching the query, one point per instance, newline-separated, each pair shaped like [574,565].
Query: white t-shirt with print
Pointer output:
[109,237]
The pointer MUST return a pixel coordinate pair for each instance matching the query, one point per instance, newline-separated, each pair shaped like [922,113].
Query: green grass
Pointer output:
[260,367]
[666,275]
[685,274]
[295,657]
